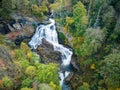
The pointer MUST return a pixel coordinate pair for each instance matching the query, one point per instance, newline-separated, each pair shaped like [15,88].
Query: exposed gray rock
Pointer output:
[47,53]
[68,79]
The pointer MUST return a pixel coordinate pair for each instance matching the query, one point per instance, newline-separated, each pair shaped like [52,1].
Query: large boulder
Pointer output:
[3,26]
[47,53]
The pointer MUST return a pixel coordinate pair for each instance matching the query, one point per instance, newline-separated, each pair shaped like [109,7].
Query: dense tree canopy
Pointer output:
[90,27]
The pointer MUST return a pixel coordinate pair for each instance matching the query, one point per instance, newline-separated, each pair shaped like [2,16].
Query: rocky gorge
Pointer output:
[20,29]
[59,44]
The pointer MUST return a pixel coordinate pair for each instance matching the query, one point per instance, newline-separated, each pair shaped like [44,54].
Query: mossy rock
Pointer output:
[62,37]
[45,87]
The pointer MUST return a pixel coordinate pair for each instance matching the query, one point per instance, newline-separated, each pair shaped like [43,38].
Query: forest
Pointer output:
[91,28]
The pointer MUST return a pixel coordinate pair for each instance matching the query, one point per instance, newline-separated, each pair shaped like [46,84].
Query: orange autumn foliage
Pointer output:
[1,83]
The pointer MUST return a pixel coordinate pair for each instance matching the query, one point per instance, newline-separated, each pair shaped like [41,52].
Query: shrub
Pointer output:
[23,63]
[24,48]
[33,57]
[69,20]
[19,54]
[62,37]
[6,82]
[27,82]
[85,86]
[54,86]
[26,88]
[31,71]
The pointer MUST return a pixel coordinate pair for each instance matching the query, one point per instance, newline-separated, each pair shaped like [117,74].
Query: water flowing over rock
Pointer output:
[49,33]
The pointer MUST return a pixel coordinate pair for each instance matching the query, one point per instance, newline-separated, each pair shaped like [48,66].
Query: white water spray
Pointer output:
[50,34]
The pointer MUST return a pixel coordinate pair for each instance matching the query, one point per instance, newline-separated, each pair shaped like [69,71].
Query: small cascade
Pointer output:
[49,33]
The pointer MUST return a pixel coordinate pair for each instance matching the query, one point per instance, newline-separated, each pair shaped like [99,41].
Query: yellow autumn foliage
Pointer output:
[43,9]
[77,41]
[111,88]
[35,8]
[92,66]
[29,55]
[56,6]
[24,47]
[30,71]
[54,86]
[69,20]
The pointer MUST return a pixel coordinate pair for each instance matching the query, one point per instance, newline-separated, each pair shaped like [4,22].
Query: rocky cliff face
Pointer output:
[7,66]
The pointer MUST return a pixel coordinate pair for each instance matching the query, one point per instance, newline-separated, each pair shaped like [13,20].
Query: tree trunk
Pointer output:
[89,9]
[97,19]
[38,2]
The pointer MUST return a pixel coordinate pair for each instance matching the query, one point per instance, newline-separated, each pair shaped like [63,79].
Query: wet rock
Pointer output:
[47,53]
[75,74]
[4,29]
[68,79]
[22,21]
[19,39]
[47,44]
[11,22]
[74,63]
[72,79]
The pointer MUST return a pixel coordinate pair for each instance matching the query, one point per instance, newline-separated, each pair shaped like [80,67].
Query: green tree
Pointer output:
[92,42]
[80,18]
[110,69]
[7,5]
[6,9]
[47,73]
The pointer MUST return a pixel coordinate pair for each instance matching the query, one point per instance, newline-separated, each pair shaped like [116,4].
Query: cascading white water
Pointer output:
[50,34]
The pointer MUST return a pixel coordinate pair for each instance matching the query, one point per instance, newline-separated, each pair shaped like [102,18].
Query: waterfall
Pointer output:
[49,33]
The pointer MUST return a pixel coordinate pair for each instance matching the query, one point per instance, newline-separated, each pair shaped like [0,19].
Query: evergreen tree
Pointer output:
[80,18]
